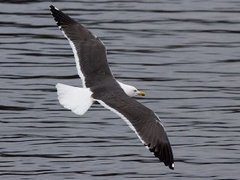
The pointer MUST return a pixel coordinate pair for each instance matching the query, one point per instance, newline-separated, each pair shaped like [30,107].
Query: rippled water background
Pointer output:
[184,54]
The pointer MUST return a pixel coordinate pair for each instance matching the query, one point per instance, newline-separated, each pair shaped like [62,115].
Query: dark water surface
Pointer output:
[184,54]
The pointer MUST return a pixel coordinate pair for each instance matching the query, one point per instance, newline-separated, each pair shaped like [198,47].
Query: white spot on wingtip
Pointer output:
[173,165]
[55,7]
[60,27]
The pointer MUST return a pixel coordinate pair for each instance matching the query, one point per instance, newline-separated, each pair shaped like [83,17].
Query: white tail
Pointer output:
[78,100]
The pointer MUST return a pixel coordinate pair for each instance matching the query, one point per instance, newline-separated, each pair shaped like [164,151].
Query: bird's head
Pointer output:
[131,90]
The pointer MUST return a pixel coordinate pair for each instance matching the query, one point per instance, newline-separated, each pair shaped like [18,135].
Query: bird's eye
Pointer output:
[135,90]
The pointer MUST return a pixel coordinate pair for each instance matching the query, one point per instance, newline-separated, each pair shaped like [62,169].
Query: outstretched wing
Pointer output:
[89,51]
[142,120]
[92,66]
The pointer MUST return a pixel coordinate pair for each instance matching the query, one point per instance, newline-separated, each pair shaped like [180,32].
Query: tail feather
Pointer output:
[78,100]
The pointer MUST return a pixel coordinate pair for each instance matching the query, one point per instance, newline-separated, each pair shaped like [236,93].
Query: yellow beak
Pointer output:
[141,93]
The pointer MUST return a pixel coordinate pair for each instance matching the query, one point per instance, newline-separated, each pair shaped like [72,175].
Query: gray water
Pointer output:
[184,54]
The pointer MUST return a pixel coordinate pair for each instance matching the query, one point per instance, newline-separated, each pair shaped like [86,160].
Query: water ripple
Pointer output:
[186,58]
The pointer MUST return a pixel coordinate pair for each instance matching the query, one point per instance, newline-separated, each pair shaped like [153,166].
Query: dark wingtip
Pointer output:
[52,8]
[164,154]
[60,17]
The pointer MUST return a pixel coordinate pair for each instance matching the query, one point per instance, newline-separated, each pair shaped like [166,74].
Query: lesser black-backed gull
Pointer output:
[100,85]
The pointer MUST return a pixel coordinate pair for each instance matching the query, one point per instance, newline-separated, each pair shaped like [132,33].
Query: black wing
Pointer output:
[141,119]
[89,51]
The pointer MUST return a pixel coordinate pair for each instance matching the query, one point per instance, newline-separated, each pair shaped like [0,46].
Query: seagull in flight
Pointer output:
[100,85]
